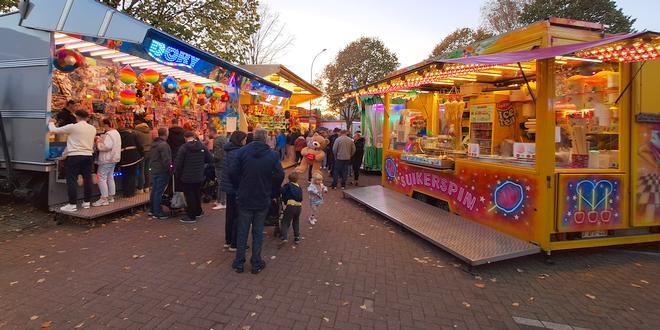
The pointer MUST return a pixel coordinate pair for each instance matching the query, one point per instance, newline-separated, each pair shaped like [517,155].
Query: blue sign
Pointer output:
[169,55]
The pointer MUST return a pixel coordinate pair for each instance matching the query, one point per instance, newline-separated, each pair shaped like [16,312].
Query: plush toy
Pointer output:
[313,155]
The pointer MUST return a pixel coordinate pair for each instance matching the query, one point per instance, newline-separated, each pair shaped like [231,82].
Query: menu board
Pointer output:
[482,113]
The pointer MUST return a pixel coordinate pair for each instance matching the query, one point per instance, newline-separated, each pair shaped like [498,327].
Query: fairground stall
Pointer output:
[554,146]
[291,114]
[114,65]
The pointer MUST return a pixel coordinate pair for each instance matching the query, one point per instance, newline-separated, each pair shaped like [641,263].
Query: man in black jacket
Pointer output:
[160,157]
[258,174]
[189,166]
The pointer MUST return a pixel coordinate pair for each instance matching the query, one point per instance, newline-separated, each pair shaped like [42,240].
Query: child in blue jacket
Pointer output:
[292,196]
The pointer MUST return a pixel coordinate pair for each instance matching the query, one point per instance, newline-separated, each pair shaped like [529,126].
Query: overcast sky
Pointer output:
[410,28]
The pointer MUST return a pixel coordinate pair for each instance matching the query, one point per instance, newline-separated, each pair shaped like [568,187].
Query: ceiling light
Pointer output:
[103,52]
[573,58]
[60,35]
[80,44]
[464,79]
[444,82]
[514,68]
[487,74]
[66,40]
[126,58]
[93,48]
[137,61]
[118,55]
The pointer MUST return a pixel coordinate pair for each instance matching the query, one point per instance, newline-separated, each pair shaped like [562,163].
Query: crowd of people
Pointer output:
[174,163]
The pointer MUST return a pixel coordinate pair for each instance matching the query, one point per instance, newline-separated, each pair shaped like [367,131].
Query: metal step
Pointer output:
[120,204]
[474,243]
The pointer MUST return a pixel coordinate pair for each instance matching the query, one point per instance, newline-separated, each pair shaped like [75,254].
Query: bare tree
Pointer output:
[502,16]
[271,40]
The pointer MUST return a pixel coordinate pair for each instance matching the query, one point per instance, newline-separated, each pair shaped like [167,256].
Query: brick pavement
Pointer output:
[353,270]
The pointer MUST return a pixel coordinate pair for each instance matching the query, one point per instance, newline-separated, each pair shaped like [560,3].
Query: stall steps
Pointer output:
[474,243]
[119,205]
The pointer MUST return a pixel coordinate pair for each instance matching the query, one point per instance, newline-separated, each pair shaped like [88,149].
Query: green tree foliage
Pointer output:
[460,38]
[221,27]
[601,11]
[361,62]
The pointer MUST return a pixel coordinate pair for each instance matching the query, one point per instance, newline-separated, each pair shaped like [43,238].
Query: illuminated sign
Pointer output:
[170,55]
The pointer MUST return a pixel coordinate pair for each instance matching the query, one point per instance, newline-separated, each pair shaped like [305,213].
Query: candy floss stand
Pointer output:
[115,66]
[547,149]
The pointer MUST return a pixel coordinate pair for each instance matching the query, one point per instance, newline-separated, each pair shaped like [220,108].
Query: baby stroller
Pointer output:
[275,214]
[210,185]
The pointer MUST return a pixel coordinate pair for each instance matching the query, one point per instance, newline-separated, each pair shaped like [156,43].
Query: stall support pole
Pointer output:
[386,133]
[545,161]
[433,126]
[626,74]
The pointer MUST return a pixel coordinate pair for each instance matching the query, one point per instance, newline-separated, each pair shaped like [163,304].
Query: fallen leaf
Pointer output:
[637,264]
[246,327]
[41,280]
[631,308]
[42,256]
[515,304]
[46,324]
[135,256]
[79,325]
[272,257]
[478,278]
[364,307]
[12,283]
[340,263]
[362,234]
[391,232]
[326,319]
[645,282]
[519,270]
[327,283]
[456,265]
[33,317]
[253,314]
[531,299]
[208,262]
[635,285]
[480,285]
[467,305]
[590,296]
[493,280]
[258,297]
[127,268]
[193,263]
[345,303]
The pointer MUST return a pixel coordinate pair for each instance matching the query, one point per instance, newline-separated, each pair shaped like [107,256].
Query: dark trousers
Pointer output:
[193,194]
[298,156]
[256,219]
[291,216]
[75,166]
[231,217]
[309,172]
[143,174]
[340,171]
[128,180]
[330,160]
[158,185]
[357,163]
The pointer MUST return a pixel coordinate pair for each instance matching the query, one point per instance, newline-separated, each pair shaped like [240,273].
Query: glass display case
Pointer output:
[431,151]
[587,116]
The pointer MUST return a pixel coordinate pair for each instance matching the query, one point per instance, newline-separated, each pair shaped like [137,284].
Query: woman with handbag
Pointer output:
[236,141]
[109,147]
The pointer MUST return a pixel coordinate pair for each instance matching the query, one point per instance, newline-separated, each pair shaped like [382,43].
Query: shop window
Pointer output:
[587,118]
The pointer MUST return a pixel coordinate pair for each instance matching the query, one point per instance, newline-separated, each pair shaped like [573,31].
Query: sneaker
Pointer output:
[296,240]
[281,243]
[226,246]
[334,188]
[219,206]
[238,269]
[139,191]
[343,187]
[111,199]
[314,221]
[145,190]
[311,220]
[86,205]
[160,217]
[199,216]
[232,249]
[187,220]
[101,202]
[259,269]
[69,208]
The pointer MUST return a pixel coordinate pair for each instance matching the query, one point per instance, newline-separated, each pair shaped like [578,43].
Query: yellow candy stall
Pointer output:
[548,134]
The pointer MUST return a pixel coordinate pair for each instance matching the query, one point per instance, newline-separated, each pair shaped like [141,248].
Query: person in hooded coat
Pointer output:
[237,139]
[143,132]
[131,155]
[258,174]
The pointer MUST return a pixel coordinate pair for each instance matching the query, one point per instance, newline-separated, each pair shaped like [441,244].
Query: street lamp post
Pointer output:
[311,75]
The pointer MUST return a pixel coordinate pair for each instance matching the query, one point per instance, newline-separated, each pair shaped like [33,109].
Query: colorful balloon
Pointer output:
[225,96]
[184,100]
[127,97]
[151,76]
[208,90]
[67,60]
[169,84]
[184,84]
[127,75]
[217,92]
[199,88]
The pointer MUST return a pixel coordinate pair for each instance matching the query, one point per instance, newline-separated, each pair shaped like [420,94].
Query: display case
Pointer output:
[431,151]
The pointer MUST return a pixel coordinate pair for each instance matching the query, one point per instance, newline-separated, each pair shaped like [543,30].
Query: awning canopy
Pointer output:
[632,47]
[280,75]
[98,22]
